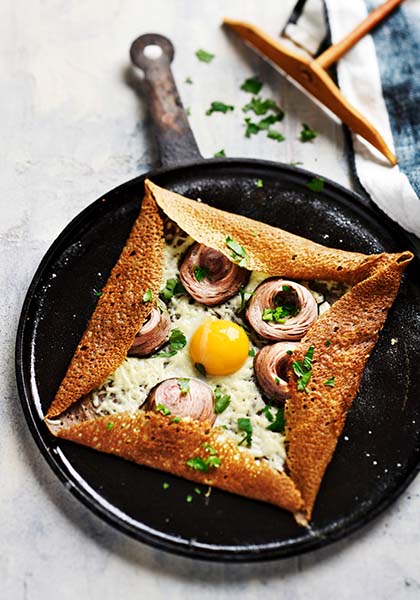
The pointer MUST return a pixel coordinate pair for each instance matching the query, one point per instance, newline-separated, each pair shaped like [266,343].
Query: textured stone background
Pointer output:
[72,129]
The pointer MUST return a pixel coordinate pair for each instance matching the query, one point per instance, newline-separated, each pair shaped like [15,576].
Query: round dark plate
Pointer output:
[379,451]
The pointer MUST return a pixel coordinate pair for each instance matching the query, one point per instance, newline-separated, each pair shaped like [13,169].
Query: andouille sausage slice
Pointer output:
[271,365]
[183,398]
[152,335]
[274,295]
[210,277]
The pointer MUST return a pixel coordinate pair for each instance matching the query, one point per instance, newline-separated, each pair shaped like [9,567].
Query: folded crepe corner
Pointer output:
[314,420]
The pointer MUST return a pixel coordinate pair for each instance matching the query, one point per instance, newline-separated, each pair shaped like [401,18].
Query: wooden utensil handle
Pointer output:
[336,51]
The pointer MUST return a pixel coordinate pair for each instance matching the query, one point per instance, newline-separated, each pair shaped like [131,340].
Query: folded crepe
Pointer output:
[342,338]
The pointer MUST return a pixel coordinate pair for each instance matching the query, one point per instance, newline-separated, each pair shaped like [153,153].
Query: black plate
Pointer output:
[378,453]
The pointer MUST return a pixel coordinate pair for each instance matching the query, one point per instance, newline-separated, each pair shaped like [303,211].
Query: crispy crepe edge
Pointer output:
[278,253]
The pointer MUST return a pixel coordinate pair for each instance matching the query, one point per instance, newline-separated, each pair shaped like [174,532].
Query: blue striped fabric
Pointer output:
[397,43]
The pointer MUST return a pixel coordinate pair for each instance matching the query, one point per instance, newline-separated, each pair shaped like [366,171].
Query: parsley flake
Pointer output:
[201,272]
[307,134]
[219,107]
[330,382]
[268,413]
[316,184]
[147,296]
[252,85]
[328,343]
[289,352]
[184,385]
[278,422]
[177,341]
[245,425]
[205,464]
[165,485]
[109,426]
[97,294]
[176,420]
[221,401]
[220,153]
[189,498]
[188,80]
[261,107]
[204,56]
[163,410]
[275,135]
[201,369]
[303,370]
[280,313]
[197,491]
[245,297]
[260,183]
[172,288]
[251,352]
[251,128]
[239,255]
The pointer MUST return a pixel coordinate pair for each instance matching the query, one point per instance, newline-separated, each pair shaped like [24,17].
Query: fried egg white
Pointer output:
[127,388]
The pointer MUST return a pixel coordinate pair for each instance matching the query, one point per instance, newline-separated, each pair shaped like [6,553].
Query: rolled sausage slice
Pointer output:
[182,397]
[281,310]
[152,335]
[271,365]
[209,277]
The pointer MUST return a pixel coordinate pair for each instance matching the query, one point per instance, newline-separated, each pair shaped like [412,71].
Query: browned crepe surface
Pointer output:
[313,421]
[120,311]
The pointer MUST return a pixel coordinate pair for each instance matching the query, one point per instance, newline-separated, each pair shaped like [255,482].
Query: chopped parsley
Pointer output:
[201,369]
[330,382]
[244,425]
[280,313]
[251,352]
[328,343]
[188,80]
[205,464]
[252,85]
[277,380]
[275,135]
[176,420]
[147,296]
[109,426]
[204,56]
[260,183]
[239,255]
[201,272]
[245,296]
[289,352]
[316,184]
[172,288]
[219,107]
[307,134]
[188,111]
[197,491]
[286,288]
[184,385]
[261,107]
[221,401]
[303,370]
[97,294]
[251,128]
[268,413]
[177,341]
[277,423]
[219,154]
[162,409]
[165,485]
[189,498]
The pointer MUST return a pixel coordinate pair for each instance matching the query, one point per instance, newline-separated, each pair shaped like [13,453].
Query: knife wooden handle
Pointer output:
[336,51]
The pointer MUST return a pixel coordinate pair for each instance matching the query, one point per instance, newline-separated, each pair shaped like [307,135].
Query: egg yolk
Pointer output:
[220,346]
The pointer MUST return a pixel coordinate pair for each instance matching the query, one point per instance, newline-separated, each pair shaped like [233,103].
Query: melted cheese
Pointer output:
[128,387]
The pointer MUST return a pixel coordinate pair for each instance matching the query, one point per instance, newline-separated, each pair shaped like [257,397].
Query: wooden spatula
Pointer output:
[312,74]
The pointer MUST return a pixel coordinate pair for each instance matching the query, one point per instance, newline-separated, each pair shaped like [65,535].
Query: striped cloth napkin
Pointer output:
[380,76]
